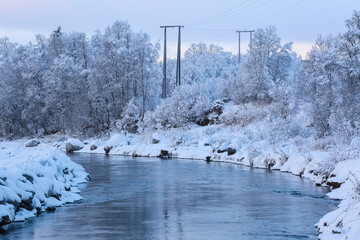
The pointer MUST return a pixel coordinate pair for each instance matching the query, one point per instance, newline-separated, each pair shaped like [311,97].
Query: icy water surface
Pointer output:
[146,198]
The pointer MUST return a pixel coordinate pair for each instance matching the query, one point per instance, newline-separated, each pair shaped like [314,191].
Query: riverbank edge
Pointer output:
[306,164]
[35,180]
[303,163]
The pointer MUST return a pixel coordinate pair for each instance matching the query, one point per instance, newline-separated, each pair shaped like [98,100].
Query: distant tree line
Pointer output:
[68,82]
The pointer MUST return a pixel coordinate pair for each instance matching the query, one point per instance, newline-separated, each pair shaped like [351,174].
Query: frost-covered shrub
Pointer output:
[130,118]
[238,115]
[354,178]
[213,112]
[187,104]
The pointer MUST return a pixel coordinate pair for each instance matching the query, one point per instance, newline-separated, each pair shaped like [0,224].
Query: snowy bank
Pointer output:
[243,146]
[35,179]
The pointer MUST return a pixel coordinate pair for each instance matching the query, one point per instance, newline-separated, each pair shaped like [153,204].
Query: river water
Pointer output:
[148,198]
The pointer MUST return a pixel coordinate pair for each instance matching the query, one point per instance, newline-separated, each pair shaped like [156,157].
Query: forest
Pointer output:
[74,84]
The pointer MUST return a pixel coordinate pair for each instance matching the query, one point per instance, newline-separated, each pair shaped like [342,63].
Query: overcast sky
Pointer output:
[210,21]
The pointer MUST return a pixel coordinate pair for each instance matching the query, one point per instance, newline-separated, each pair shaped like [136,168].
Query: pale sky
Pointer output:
[209,21]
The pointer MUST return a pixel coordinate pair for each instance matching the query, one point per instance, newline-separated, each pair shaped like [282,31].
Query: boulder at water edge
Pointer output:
[73,144]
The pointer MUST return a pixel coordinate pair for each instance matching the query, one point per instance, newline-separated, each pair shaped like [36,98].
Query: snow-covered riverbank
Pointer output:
[232,144]
[35,179]
[303,157]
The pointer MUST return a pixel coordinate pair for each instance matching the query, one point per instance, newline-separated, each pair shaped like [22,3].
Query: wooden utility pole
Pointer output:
[178,62]
[244,31]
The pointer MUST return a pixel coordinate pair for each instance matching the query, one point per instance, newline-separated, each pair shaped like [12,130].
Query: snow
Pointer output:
[37,178]
[296,164]
[303,158]
[343,223]
[341,172]
[117,140]
[299,157]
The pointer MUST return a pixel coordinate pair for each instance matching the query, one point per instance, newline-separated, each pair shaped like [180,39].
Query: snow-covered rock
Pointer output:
[115,141]
[296,164]
[36,179]
[95,144]
[32,142]
[158,138]
[73,144]
[343,223]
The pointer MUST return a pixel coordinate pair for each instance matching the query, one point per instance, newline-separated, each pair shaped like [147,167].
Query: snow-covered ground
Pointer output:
[35,179]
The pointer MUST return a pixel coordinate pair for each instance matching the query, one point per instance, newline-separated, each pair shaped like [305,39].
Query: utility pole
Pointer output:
[164,67]
[244,31]
[178,62]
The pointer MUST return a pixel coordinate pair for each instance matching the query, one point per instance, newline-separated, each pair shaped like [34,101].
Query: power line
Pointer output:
[219,14]
[241,11]
[277,14]
[210,30]
[213,37]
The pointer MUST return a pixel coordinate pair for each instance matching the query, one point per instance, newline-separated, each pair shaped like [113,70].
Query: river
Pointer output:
[149,198]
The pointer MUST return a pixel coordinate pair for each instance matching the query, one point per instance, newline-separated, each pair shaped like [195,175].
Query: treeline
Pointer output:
[69,82]
[317,97]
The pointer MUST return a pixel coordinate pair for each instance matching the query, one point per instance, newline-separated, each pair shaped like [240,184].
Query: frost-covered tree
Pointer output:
[268,73]
[65,82]
[322,82]
[349,53]
[266,67]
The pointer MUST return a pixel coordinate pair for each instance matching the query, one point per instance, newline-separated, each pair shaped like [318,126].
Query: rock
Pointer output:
[204,142]
[95,144]
[155,141]
[221,151]
[29,178]
[164,154]
[32,142]
[157,138]
[50,209]
[208,159]
[107,149]
[27,203]
[5,220]
[231,151]
[73,144]
[334,185]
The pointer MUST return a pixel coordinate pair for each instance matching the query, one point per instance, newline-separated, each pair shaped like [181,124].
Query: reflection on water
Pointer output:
[148,198]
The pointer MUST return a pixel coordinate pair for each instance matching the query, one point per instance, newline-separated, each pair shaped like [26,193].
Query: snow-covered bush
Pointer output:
[242,116]
[187,104]
[355,180]
[130,118]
